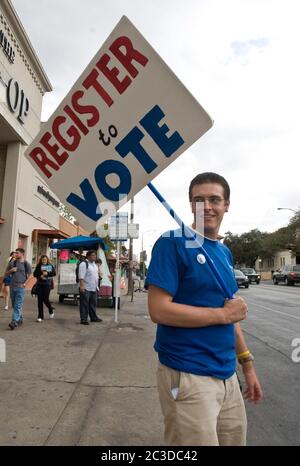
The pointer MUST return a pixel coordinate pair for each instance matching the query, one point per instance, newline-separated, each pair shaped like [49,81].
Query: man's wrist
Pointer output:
[248,367]
[246,360]
[220,316]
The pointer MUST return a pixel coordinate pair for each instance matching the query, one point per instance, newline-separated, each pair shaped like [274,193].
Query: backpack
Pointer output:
[77,269]
[25,266]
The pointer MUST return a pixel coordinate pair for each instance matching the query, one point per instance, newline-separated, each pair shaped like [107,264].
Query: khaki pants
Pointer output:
[203,411]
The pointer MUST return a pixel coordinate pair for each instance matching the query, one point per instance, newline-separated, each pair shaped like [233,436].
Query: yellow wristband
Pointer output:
[244,354]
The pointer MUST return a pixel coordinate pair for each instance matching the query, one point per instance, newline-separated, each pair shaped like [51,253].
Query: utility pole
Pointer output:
[117,280]
[143,258]
[130,271]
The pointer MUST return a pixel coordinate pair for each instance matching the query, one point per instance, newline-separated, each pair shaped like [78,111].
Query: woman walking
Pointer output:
[44,272]
[7,281]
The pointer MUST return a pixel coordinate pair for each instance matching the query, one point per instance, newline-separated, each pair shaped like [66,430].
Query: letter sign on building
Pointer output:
[16,99]
[6,47]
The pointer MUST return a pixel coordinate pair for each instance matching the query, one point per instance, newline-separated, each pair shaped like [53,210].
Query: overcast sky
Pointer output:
[240,59]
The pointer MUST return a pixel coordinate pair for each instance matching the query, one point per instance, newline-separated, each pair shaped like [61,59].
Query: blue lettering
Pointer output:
[168,145]
[88,205]
[107,168]
[131,143]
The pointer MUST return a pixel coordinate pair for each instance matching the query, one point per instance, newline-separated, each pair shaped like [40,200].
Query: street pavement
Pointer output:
[273,322]
[69,384]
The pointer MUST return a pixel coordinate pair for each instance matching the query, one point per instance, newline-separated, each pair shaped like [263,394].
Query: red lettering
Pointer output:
[76,120]
[72,132]
[85,109]
[130,55]
[91,81]
[122,48]
[42,161]
[53,149]
[111,74]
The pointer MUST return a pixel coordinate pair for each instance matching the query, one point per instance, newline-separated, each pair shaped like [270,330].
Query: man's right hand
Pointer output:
[81,289]
[235,310]
[13,270]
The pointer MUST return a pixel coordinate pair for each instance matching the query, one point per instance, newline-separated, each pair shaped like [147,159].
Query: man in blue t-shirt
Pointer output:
[198,335]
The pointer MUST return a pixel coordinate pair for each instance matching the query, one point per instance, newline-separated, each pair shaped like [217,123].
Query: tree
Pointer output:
[247,247]
[235,245]
[283,238]
[106,239]
[295,220]
[124,251]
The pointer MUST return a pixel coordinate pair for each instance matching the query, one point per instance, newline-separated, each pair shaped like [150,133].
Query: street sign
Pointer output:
[125,120]
[118,227]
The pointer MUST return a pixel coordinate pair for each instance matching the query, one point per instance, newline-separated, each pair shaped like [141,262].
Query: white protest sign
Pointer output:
[67,274]
[125,119]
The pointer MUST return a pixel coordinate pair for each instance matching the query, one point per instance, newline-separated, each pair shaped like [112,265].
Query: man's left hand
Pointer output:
[253,393]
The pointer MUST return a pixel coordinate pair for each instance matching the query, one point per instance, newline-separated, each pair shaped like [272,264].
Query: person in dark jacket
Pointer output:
[44,272]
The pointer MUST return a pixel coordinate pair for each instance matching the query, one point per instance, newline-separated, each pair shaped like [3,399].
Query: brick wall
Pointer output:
[70,229]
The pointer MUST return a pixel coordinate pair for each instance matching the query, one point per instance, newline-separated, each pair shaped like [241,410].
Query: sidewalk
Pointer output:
[69,384]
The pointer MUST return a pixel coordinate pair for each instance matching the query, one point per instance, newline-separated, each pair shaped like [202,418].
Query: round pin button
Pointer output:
[201,259]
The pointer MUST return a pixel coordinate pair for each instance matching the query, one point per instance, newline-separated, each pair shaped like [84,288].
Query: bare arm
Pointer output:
[163,310]
[27,280]
[81,285]
[254,392]
[240,343]
[10,271]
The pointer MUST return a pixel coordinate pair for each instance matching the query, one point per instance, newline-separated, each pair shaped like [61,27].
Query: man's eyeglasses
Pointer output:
[213,200]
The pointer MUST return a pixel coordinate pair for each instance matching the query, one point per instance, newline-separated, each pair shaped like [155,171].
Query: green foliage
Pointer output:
[110,245]
[107,241]
[124,251]
[247,247]
[286,237]
[295,220]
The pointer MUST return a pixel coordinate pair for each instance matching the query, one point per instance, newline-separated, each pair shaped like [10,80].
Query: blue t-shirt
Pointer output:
[183,272]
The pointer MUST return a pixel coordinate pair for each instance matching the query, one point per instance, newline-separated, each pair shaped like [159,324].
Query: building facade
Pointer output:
[266,266]
[29,211]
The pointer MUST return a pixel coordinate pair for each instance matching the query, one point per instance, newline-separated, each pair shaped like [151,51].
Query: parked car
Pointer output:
[241,278]
[251,274]
[288,274]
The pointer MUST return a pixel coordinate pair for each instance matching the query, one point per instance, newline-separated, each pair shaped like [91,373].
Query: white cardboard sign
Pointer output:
[125,120]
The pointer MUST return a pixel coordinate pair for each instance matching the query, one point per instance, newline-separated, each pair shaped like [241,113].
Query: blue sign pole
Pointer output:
[185,228]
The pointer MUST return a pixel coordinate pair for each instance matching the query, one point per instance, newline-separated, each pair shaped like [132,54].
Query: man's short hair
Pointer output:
[89,253]
[210,177]
[21,250]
